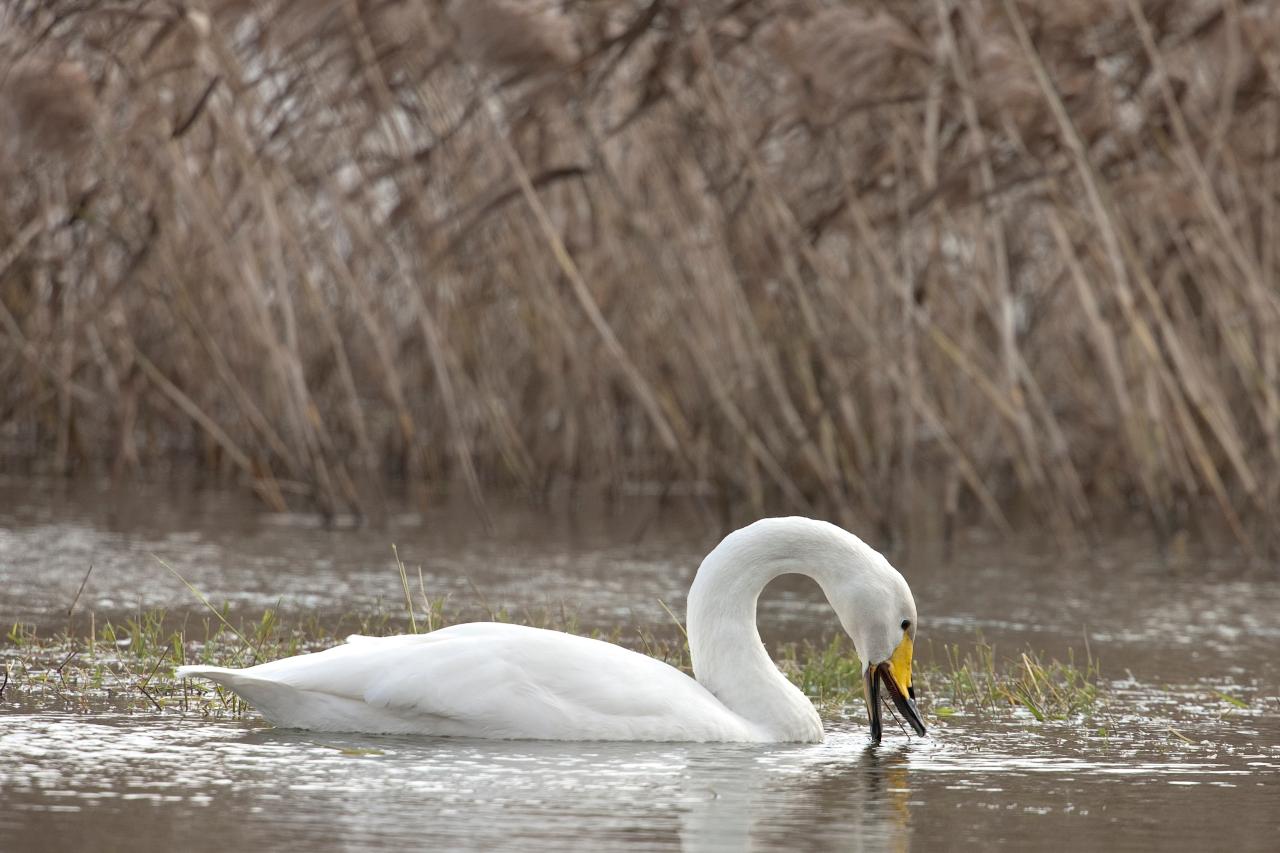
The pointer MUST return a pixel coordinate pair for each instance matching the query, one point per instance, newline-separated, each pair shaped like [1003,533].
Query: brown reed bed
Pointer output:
[994,262]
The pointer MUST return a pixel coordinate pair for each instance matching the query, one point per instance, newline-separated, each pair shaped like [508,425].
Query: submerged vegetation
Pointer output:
[129,667]
[1002,260]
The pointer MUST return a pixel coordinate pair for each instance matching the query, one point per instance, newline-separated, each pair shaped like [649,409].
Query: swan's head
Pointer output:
[878,612]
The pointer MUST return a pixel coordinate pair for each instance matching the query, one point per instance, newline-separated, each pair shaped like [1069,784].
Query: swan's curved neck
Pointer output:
[728,656]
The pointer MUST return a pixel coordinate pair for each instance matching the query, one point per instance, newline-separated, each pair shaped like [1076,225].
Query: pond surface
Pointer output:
[1173,765]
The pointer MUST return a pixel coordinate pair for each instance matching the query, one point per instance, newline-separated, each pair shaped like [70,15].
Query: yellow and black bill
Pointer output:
[895,675]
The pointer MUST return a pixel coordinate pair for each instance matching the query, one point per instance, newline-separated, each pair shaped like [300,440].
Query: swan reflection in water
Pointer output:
[699,797]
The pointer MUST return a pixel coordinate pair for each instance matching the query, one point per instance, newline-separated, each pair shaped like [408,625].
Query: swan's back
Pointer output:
[488,680]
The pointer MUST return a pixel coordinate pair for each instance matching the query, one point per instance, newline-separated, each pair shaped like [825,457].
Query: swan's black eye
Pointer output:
[906,623]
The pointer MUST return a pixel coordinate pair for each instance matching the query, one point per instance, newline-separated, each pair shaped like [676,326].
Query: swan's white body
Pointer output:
[492,680]
[486,679]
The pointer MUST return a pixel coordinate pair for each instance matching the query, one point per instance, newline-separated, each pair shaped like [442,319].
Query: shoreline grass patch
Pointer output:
[129,667]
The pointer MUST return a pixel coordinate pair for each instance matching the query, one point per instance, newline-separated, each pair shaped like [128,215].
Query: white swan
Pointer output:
[492,680]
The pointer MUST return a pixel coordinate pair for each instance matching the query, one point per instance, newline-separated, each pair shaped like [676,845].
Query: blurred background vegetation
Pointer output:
[995,262]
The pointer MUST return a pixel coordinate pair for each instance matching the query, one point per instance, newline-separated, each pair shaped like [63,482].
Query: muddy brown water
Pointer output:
[1177,766]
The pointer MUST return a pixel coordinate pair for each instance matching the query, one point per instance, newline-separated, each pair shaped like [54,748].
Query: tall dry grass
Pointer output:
[999,262]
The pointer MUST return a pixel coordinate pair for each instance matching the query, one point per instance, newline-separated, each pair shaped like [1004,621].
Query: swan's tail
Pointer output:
[220,674]
[277,702]
[301,708]
[255,691]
